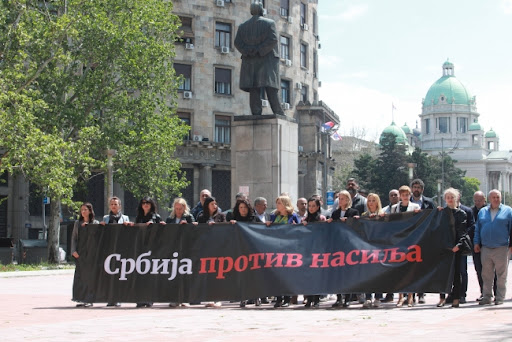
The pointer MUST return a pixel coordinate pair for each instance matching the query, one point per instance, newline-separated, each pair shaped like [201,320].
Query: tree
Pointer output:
[391,166]
[79,78]
[471,185]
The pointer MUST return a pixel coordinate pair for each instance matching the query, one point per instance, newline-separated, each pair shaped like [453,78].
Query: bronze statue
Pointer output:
[257,39]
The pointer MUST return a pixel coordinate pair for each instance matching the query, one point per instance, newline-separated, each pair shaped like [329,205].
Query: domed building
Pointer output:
[449,124]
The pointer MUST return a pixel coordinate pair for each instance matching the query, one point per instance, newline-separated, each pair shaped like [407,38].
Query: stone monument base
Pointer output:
[264,157]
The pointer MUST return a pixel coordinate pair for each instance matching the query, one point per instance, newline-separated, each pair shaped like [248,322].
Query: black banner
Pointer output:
[408,252]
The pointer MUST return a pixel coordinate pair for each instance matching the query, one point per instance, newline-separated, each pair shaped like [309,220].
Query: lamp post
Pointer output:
[411,167]
[110,173]
[439,196]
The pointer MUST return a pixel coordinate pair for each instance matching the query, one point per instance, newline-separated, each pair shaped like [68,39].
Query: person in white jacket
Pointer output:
[402,206]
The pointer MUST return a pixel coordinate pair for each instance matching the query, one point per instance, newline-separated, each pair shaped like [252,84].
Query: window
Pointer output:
[443,125]
[186,35]
[222,34]
[303,55]
[285,8]
[304,94]
[427,126]
[315,24]
[285,91]
[186,71]
[303,14]
[185,117]
[315,64]
[285,47]
[475,139]
[223,129]
[461,125]
[222,81]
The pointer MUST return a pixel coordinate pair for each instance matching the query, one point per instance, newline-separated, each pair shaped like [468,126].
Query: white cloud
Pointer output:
[329,61]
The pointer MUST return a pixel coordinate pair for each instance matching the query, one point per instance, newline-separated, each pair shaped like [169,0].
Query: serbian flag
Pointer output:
[327,126]
[336,136]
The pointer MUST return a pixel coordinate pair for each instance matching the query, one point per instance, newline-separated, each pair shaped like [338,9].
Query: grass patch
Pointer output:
[34,267]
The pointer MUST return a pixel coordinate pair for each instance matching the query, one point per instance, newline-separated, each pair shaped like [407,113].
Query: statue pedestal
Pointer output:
[264,157]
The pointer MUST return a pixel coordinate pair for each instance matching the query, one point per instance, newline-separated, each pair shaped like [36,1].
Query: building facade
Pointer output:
[208,99]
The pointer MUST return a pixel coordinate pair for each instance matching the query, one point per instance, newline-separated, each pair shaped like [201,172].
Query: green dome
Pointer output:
[491,134]
[448,89]
[396,131]
[475,126]
[406,129]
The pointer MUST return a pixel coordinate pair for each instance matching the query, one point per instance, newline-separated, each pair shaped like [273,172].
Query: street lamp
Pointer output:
[411,167]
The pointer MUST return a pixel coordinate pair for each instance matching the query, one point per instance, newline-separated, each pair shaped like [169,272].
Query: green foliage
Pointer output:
[471,185]
[80,77]
[389,170]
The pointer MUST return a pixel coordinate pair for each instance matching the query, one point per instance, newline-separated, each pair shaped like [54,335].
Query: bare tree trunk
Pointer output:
[54,231]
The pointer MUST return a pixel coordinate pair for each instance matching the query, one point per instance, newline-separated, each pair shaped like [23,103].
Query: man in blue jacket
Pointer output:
[493,240]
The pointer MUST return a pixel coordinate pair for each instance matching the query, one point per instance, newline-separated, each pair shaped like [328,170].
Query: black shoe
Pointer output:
[336,304]
[462,300]
[449,299]
[479,299]
[388,299]
[144,305]
[316,305]
[285,305]
[264,300]
[114,304]
[278,305]
[243,303]
[346,304]
[308,304]
[421,299]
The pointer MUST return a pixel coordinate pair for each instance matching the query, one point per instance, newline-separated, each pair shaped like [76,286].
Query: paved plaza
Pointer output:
[37,306]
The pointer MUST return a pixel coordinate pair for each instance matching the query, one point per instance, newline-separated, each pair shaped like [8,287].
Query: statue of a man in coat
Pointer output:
[257,39]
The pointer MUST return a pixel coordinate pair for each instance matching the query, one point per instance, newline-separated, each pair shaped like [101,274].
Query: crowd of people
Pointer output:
[483,231]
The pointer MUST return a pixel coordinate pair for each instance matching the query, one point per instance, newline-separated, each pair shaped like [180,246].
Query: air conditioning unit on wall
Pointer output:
[187,94]
[298,86]
[189,46]
[197,137]
[224,49]
[264,103]
[288,62]
[305,27]
[285,106]
[220,3]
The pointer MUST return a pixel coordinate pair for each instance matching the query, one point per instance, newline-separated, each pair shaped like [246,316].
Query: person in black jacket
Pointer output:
[343,212]
[147,214]
[314,214]
[451,197]
[417,187]
[180,212]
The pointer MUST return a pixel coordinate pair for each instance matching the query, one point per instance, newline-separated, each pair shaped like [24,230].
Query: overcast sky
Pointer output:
[378,52]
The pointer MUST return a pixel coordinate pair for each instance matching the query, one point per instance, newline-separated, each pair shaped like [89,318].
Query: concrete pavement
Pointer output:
[37,306]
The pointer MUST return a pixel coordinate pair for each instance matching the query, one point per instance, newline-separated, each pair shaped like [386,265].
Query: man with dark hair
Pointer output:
[417,187]
[358,201]
[256,39]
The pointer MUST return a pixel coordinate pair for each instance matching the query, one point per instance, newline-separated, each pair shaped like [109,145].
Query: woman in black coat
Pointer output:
[451,197]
